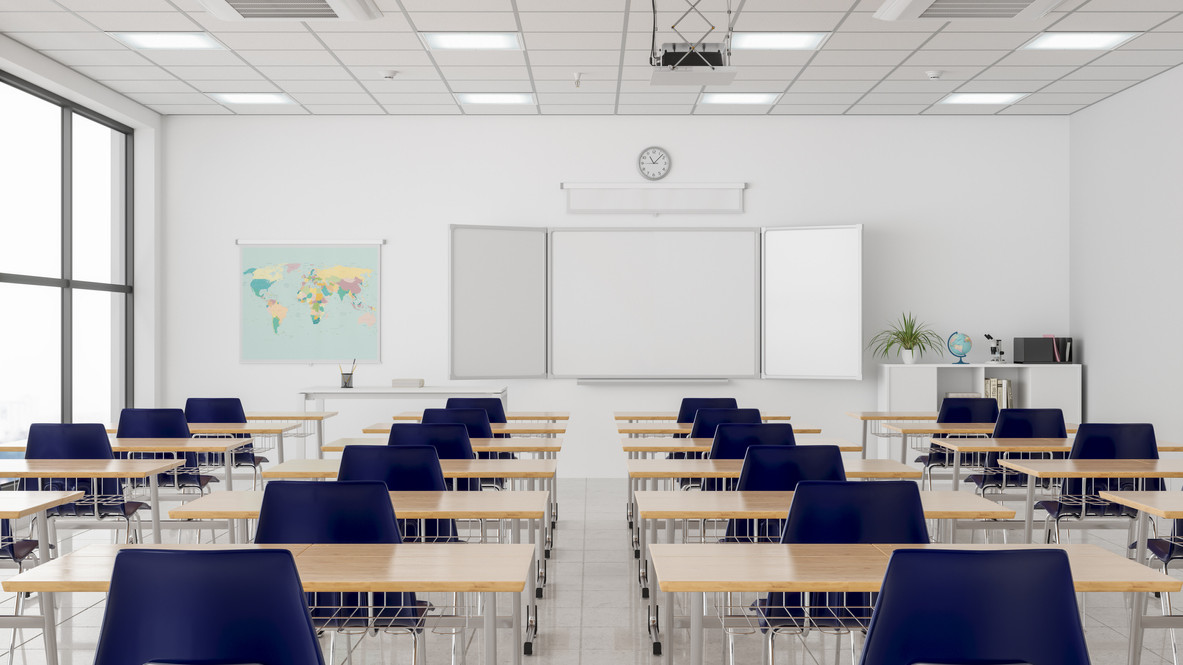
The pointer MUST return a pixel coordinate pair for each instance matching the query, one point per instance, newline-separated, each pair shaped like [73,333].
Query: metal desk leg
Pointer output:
[279,446]
[903,448]
[1138,607]
[696,613]
[643,562]
[44,543]
[664,604]
[516,599]
[1029,517]
[154,492]
[320,439]
[49,631]
[489,600]
[229,458]
[956,470]
[866,427]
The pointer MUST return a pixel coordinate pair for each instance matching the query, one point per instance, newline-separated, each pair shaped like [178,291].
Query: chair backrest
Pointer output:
[401,468]
[491,405]
[256,610]
[779,468]
[475,420]
[450,440]
[1114,441]
[298,511]
[706,420]
[73,441]
[831,512]
[921,617]
[732,440]
[153,423]
[214,410]
[1030,424]
[691,405]
[968,410]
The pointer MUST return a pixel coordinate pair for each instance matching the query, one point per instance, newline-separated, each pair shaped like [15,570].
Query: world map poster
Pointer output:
[310,303]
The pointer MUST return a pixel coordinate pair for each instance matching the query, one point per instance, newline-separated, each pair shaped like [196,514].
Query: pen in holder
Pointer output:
[347,377]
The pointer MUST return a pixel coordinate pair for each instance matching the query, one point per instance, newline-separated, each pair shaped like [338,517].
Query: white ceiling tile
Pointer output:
[979,41]
[414,98]
[886,109]
[769,58]
[747,86]
[655,109]
[502,86]
[1110,87]
[390,22]
[117,5]
[1024,73]
[566,86]
[377,41]
[906,73]
[289,58]
[883,58]
[478,58]
[190,109]
[1004,25]
[398,86]
[127,87]
[501,109]
[377,75]
[1140,58]
[293,87]
[903,98]
[784,74]
[571,5]
[1096,73]
[577,109]
[68,41]
[646,86]
[645,72]
[218,26]
[874,41]
[31,6]
[147,73]
[787,21]
[964,109]
[42,22]
[424,109]
[810,5]
[658,98]
[1130,6]
[269,41]
[188,73]
[832,86]
[572,41]
[1043,58]
[575,59]
[809,109]
[1155,40]
[345,109]
[270,109]
[820,97]
[118,58]
[545,73]
[1002,86]
[416,6]
[140,21]
[259,85]
[576,98]
[1034,109]
[305,73]
[918,86]
[864,22]
[488,73]
[1111,21]
[844,73]
[153,98]
[168,57]
[465,21]
[333,98]
[731,109]
[1067,98]
[384,59]
[1173,25]
[572,22]
[928,58]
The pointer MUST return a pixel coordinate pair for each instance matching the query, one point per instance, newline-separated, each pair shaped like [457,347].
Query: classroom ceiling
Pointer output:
[867,66]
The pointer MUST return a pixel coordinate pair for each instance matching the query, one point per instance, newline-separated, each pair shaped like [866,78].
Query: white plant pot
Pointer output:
[909,356]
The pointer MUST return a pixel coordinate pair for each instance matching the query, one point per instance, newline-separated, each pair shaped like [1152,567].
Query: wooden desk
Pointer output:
[423,567]
[317,417]
[642,448]
[546,416]
[873,421]
[178,446]
[550,429]
[1087,468]
[126,469]
[234,429]
[548,446]
[704,568]
[929,429]
[653,429]
[730,468]
[641,416]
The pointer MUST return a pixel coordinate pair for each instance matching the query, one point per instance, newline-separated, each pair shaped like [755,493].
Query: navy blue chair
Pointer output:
[492,406]
[733,439]
[225,410]
[477,423]
[451,441]
[164,424]
[255,613]
[921,618]
[1078,497]
[311,512]
[957,410]
[691,405]
[80,441]
[402,469]
[1018,424]
[838,512]
[778,468]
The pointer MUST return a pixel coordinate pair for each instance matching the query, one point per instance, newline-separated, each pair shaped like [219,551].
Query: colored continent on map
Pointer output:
[316,286]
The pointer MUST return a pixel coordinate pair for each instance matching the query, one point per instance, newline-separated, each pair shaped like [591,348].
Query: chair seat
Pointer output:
[1061,509]
[249,459]
[18,550]
[1164,550]
[125,509]
[995,479]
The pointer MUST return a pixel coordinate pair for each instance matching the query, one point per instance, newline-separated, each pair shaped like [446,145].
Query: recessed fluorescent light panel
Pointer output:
[472,41]
[192,41]
[251,97]
[777,41]
[495,97]
[1080,41]
[996,98]
[739,98]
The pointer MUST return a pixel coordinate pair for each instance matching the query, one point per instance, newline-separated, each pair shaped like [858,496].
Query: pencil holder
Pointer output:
[346,379]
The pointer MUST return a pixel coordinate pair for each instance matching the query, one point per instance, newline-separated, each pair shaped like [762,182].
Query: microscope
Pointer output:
[996,352]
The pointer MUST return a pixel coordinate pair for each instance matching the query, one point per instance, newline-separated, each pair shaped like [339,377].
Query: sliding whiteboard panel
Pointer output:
[498,302]
[813,302]
[655,303]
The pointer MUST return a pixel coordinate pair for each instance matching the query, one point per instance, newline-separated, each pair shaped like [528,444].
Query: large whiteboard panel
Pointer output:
[498,302]
[657,303]
[813,302]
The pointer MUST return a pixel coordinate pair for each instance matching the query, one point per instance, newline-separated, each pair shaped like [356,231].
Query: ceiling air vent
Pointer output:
[1022,10]
[292,10]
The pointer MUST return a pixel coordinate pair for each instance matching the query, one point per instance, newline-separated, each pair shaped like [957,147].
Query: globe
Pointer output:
[959,345]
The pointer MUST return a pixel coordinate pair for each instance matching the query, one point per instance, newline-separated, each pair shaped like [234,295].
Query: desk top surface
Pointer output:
[453,468]
[15,505]
[730,468]
[511,445]
[673,445]
[497,428]
[673,415]
[407,505]
[416,416]
[85,468]
[1035,445]
[231,428]
[1096,468]
[940,504]
[1159,504]
[893,415]
[290,415]
[159,445]
[685,428]
[427,391]
[449,567]
[950,428]
[773,567]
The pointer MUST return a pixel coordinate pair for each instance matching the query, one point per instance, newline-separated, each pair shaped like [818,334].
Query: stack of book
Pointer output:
[1001,390]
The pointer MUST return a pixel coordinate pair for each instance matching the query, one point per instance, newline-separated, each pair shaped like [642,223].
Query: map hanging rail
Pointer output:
[239,241]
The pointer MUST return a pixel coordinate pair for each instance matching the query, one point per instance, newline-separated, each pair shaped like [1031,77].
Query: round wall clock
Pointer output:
[654,163]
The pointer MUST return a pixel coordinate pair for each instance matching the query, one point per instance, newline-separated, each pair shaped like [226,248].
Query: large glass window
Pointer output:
[65,285]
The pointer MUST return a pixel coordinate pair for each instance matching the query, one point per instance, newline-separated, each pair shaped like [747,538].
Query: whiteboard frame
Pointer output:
[452,302]
[764,300]
[759,309]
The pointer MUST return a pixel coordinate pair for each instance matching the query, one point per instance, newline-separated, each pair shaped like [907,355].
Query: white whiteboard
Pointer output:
[654,303]
[813,302]
[498,302]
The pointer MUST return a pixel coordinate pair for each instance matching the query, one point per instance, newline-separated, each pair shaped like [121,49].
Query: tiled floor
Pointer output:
[593,613]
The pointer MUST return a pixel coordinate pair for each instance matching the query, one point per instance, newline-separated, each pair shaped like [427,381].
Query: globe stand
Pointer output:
[961,349]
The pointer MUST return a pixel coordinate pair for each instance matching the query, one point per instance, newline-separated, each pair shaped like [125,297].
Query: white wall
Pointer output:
[966,226]
[1127,232]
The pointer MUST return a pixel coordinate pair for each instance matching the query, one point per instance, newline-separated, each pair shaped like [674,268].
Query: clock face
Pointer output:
[654,163]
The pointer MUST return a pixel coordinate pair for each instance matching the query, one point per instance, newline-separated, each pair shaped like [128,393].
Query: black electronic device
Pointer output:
[1034,350]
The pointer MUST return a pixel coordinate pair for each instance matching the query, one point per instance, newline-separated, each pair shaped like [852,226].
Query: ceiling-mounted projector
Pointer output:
[692,64]
[1021,10]
[293,10]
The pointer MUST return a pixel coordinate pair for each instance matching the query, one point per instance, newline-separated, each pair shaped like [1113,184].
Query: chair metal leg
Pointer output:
[1166,611]
[769,647]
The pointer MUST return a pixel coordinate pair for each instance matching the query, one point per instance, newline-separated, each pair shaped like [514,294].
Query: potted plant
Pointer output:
[910,339]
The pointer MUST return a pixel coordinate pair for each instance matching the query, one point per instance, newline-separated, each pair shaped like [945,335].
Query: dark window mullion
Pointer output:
[128,272]
[67,266]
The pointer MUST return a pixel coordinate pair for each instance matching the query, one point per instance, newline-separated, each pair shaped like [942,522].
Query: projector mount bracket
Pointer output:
[694,47]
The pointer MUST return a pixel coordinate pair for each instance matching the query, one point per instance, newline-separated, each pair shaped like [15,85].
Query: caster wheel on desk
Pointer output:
[546,553]
[537,594]
[528,649]
[644,592]
[657,648]
[630,524]
[636,554]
